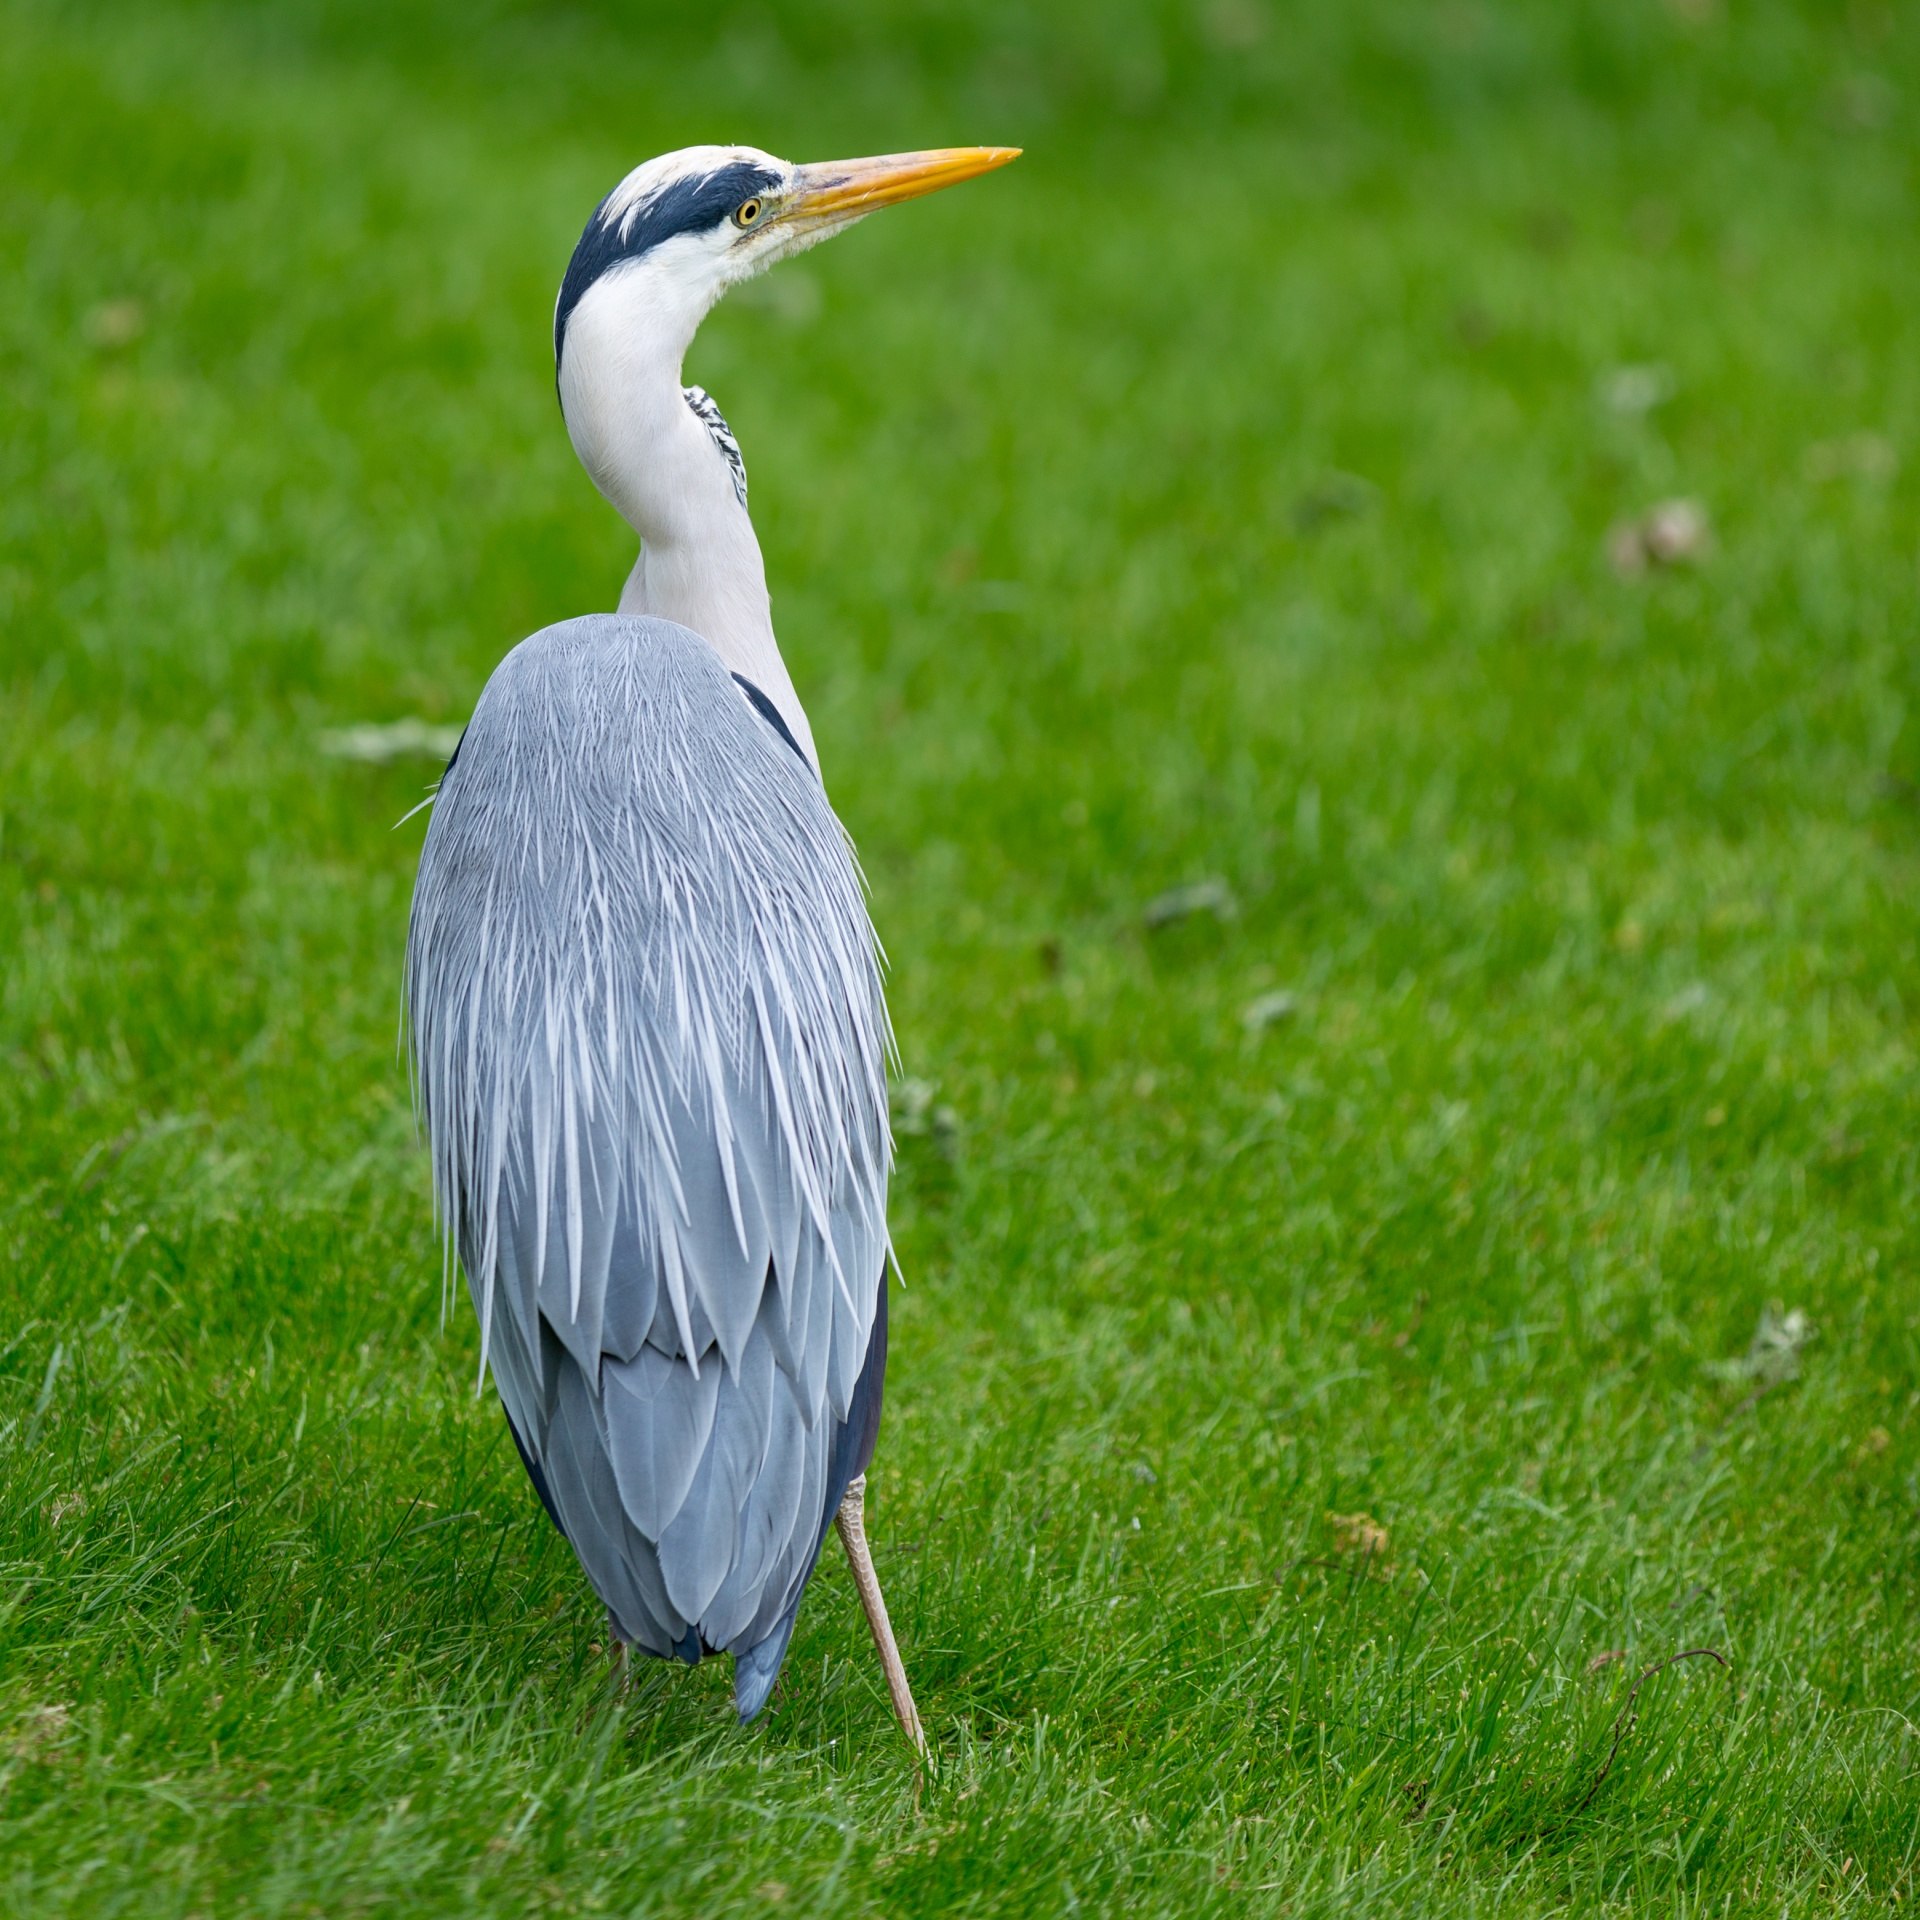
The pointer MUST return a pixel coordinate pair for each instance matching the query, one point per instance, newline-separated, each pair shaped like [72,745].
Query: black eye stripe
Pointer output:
[691,204]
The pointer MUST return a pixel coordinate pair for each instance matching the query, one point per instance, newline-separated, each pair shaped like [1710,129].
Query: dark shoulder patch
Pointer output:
[771,715]
[715,422]
[687,205]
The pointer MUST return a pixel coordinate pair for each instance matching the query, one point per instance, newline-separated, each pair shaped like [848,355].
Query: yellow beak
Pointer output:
[840,190]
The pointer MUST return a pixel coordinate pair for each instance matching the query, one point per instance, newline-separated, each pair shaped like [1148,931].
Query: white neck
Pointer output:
[662,472]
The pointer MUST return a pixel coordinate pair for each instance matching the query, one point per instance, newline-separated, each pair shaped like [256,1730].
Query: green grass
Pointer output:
[1221,493]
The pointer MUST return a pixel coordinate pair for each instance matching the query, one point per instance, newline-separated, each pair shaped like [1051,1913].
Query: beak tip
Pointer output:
[856,187]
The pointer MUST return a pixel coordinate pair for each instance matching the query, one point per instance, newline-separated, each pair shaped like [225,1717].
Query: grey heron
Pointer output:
[644,994]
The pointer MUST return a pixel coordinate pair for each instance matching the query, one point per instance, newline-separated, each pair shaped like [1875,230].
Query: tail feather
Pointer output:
[755,1670]
[758,1667]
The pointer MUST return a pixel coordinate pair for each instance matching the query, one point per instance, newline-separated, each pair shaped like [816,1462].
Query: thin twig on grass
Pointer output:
[1624,1719]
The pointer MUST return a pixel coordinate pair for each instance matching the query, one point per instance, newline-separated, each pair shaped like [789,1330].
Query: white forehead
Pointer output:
[653,177]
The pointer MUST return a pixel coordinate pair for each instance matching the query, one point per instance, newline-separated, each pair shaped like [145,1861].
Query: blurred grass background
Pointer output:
[1355,1327]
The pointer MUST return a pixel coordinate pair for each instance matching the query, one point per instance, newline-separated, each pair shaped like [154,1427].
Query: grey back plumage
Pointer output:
[650,1040]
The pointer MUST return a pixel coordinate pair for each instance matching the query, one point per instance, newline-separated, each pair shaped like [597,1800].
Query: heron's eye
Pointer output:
[746,213]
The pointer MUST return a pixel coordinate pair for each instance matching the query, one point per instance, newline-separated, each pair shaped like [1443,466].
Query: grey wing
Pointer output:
[651,1045]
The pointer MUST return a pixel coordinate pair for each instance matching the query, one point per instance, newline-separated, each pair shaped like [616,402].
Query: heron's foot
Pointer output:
[851,1521]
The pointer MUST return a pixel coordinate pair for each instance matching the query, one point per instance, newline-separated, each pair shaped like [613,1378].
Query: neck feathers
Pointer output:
[667,462]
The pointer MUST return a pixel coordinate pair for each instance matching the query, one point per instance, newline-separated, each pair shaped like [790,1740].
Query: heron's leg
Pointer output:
[851,1520]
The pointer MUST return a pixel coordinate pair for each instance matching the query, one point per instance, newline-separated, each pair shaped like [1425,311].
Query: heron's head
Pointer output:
[676,233]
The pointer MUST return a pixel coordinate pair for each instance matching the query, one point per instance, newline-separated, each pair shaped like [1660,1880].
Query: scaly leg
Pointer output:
[851,1520]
